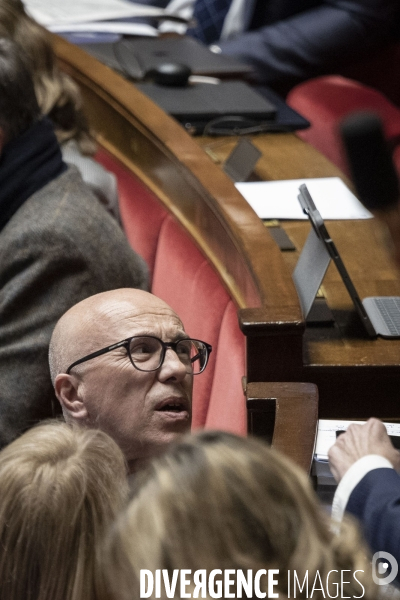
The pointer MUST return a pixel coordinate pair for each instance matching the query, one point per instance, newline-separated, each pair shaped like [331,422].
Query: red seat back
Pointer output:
[186,281]
[227,407]
[142,214]
[325,101]
[183,277]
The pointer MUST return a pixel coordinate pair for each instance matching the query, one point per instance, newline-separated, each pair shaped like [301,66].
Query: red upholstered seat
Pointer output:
[183,277]
[138,206]
[227,408]
[325,101]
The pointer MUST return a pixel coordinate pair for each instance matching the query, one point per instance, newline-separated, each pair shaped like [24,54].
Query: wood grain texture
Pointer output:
[289,417]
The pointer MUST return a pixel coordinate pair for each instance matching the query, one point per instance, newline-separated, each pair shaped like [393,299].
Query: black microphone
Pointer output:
[370,161]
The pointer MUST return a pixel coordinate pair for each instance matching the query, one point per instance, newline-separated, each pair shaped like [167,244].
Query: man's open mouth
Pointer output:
[172,408]
[175,405]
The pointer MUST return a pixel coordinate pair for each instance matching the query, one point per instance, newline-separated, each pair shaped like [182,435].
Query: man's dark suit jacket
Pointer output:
[289,41]
[60,247]
[375,501]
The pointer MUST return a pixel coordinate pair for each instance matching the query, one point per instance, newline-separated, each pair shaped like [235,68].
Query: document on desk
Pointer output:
[120,28]
[278,199]
[59,12]
[327,436]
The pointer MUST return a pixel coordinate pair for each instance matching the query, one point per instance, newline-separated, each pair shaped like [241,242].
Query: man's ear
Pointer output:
[67,392]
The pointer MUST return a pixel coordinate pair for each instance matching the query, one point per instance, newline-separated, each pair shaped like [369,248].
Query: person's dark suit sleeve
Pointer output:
[314,41]
[375,501]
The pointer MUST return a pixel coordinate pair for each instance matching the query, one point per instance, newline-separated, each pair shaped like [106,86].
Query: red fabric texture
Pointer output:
[193,289]
[138,207]
[184,278]
[227,409]
[325,101]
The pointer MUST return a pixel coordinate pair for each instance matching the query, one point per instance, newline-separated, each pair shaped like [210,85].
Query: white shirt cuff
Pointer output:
[352,478]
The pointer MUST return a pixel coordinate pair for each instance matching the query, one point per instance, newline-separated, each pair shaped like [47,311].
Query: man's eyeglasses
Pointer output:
[147,353]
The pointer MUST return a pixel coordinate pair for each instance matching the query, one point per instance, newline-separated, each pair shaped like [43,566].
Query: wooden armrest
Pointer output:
[286,415]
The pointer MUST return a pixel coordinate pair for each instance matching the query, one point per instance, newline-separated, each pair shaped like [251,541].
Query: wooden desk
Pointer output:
[368,368]
[357,377]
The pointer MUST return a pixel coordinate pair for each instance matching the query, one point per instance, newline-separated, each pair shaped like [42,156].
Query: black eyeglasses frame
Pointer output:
[126,344]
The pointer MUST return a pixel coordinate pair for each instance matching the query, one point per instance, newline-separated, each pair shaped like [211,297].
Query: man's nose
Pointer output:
[172,367]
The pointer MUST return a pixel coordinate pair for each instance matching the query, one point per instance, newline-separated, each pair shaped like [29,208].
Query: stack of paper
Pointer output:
[94,15]
[278,199]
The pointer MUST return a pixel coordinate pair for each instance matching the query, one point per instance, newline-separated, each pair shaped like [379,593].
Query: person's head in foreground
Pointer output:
[19,109]
[122,362]
[61,487]
[217,501]
[57,94]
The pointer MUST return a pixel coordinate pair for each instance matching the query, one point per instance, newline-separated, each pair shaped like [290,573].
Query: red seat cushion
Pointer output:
[227,408]
[325,101]
[186,281]
[142,214]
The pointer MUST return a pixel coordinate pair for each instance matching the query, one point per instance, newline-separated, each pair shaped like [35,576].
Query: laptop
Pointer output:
[197,104]
[135,57]
[379,314]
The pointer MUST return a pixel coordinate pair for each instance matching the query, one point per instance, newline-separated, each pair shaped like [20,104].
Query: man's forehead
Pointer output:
[159,317]
[128,317]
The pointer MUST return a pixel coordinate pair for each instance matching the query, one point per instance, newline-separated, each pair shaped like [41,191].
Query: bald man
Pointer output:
[121,361]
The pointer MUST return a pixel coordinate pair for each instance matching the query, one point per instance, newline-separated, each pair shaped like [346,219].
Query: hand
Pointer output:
[358,441]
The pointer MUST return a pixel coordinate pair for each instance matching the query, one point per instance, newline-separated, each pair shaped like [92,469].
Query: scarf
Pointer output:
[27,164]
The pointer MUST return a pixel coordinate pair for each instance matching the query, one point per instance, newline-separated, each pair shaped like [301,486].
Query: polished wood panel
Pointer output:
[284,156]
[289,417]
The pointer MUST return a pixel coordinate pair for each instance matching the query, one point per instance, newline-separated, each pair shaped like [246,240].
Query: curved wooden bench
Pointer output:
[210,256]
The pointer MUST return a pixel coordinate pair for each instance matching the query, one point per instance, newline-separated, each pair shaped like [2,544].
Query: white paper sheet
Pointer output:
[327,429]
[121,28]
[278,199]
[53,12]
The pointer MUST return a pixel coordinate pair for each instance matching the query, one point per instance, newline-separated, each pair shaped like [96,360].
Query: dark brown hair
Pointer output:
[57,94]
[18,105]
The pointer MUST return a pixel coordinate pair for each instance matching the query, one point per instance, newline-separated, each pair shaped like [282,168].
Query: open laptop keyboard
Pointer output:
[388,309]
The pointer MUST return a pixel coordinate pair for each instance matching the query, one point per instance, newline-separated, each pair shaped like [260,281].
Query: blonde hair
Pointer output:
[58,96]
[60,489]
[217,501]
